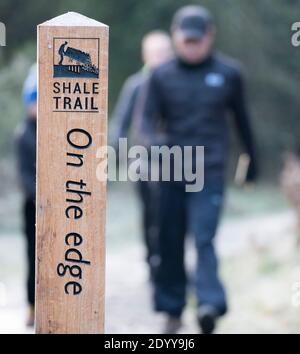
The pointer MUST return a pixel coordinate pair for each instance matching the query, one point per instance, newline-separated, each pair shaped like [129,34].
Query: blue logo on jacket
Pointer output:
[214,80]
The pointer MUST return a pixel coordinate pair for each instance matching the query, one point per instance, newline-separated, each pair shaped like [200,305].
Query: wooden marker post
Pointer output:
[71,202]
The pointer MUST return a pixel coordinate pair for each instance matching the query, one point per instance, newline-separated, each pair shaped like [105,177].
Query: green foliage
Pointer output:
[257,32]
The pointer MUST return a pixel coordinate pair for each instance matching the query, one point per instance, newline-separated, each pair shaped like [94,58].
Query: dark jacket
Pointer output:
[123,115]
[26,157]
[187,105]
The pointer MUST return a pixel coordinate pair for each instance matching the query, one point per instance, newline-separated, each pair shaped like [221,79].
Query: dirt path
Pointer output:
[260,264]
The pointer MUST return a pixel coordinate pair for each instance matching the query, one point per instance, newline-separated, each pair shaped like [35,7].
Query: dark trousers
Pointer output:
[148,196]
[29,225]
[181,213]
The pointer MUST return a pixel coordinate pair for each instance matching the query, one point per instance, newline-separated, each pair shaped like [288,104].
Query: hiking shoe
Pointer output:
[30,317]
[172,325]
[207,316]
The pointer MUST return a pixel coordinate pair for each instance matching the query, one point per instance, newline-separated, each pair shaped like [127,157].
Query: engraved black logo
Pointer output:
[74,62]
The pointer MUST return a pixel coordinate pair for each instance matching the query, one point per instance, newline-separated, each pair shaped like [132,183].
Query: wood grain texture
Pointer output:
[57,311]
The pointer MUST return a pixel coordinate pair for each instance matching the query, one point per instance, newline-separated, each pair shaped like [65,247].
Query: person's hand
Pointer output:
[252,173]
[251,178]
[246,173]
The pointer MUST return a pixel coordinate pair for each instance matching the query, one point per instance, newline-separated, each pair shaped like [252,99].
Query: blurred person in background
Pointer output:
[156,49]
[189,97]
[26,156]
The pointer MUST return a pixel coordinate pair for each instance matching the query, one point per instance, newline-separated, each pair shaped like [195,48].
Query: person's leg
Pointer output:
[204,210]
[144,192]
[170,276]
[29,221]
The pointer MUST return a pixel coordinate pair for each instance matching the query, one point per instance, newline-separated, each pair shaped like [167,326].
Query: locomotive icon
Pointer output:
[74,63]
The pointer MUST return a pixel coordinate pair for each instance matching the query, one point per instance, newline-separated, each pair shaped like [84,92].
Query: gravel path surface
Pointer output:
[260,264]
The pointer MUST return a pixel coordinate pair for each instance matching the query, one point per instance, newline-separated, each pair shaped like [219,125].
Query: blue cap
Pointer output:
[30,87]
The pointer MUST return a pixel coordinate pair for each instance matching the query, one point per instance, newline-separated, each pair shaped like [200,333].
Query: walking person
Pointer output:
[156,49]
[26,156]
[188,98]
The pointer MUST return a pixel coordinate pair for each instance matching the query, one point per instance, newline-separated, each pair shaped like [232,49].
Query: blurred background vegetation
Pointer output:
[257,32]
